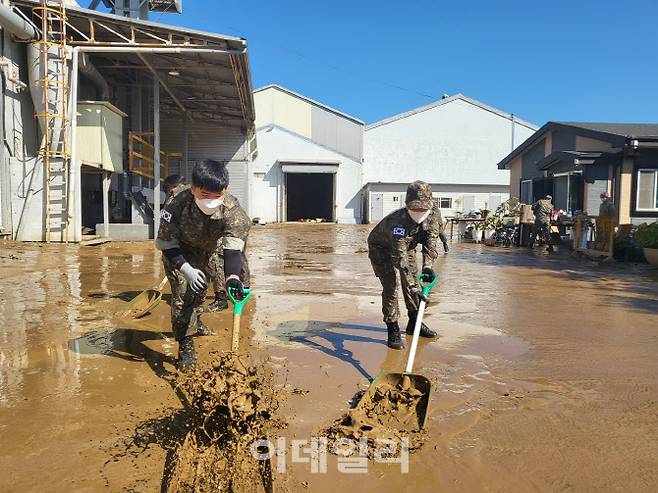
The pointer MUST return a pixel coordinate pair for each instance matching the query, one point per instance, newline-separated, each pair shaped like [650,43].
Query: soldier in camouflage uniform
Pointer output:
[171,186]
[392,247]
[542,209]
[191,226]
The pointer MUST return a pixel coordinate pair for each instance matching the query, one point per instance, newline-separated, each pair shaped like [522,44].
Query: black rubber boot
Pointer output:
[220,303]
[186,354]
[425,331]
[202,329]
[394,339]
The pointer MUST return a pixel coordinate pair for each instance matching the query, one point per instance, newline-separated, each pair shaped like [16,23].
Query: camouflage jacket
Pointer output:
[183,225]
[175,191]
[397,235]
[607,209]
[542,209]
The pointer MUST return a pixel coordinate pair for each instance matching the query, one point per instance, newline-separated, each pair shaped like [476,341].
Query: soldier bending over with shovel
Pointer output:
[392,246]
[191,225]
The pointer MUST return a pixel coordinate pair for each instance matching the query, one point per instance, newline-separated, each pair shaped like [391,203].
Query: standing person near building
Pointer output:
[605,223]
[392,247]
[542,210]
[191,226]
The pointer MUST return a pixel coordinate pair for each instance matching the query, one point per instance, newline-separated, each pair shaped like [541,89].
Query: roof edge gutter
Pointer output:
[16,25]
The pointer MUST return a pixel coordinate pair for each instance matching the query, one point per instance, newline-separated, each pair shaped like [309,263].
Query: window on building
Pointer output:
[395,199]
[445,202]
[647,190]
[526,192]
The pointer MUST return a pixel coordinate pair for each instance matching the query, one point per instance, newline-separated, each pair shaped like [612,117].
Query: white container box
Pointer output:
[100,135]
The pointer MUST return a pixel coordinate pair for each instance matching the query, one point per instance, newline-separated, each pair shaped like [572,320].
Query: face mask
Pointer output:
[209,206]
[418,216]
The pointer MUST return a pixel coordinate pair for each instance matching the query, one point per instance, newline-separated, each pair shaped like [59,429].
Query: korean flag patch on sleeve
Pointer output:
[166,215]
[399,232]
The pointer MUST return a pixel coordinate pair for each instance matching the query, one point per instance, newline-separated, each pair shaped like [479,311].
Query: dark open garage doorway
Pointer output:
[310,196]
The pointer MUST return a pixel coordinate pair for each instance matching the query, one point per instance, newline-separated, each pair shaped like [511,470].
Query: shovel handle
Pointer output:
[235,341]
[238,305]
[162,284]
[426,287]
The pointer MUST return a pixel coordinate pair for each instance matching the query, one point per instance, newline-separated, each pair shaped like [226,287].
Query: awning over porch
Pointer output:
[565,161]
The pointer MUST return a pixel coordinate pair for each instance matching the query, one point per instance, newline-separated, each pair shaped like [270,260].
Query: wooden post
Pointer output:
[106,201]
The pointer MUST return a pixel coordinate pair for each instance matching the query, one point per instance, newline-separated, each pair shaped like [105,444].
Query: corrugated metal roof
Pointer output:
[623,129]
[450,99]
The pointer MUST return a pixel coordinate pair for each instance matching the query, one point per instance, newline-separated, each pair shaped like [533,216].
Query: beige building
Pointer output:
[576,162]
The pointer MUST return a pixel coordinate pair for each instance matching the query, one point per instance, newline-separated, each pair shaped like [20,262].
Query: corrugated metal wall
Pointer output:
[210,141]
[337,133]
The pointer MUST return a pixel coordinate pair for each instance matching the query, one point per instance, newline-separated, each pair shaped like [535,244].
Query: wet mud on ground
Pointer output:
[545,376]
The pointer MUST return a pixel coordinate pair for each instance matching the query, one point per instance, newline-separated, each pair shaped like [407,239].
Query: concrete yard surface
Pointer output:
[544,377]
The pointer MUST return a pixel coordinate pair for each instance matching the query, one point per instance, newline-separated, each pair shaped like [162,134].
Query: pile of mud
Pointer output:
[391,409]
[230,406]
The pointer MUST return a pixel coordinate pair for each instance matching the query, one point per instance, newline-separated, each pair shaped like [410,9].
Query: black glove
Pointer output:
[236,288]
[427,275]
[445,247]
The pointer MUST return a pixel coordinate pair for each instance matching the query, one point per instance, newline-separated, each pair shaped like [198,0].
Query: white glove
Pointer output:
[195,278]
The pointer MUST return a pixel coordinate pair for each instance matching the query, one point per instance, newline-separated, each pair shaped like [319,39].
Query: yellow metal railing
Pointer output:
[141,154]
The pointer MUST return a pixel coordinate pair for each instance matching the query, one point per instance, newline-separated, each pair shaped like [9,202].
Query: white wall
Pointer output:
[267,180]
[455,142]
[483,196]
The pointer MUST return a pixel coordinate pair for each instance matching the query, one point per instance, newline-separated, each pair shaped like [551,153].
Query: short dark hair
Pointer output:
[171,182]
[210,175]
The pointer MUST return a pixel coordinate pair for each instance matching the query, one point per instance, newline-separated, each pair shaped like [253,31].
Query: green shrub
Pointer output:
[647,235]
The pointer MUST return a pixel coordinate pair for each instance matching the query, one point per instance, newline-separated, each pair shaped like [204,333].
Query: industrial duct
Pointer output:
[16,25]
[88,70]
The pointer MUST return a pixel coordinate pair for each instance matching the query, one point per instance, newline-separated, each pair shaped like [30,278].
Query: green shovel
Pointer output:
[238,306]
[417,385]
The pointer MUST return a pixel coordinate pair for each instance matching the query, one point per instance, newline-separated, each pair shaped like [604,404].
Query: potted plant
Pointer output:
[647,236]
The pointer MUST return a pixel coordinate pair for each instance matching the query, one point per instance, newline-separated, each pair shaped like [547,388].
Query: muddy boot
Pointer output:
[202,329]
[220,303]
[186,354]
[425,331]
[394,339]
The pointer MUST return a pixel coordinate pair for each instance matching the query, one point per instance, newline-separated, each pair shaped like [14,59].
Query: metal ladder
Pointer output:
[53,77]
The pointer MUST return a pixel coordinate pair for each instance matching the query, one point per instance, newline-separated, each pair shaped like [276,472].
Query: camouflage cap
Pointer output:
[419,196]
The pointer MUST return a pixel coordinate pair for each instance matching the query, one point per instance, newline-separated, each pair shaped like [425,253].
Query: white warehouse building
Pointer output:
[309,160]
[453,144]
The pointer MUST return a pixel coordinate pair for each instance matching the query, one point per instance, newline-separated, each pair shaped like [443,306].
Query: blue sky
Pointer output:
[580,60]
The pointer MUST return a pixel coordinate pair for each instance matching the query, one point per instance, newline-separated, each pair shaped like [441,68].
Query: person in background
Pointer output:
[607,207]
[605,223]
[191,226]
[542,209]
[392,247]
[172,185]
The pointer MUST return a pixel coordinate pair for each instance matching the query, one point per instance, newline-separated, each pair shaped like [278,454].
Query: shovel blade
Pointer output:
[409,384]
[143,303]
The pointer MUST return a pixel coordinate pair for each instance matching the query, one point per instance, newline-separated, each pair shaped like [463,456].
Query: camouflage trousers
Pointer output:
[543,229]
[216,270]
[384,269]
[185,303]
